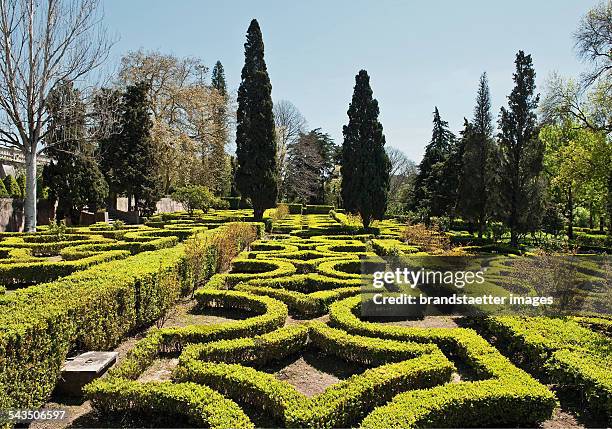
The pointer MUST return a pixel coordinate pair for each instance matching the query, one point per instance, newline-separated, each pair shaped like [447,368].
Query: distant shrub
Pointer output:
[194,197]
[234,202]
[58,229]
[281,212]
[428,240]
[118,224]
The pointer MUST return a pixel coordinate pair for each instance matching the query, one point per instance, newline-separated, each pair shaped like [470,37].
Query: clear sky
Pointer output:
[419,54]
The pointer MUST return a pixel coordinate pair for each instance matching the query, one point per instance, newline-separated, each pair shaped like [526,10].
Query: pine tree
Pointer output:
[365,166]
[217,162]
[521,152]
[73,175]
[256,175]
[141,176]
[480,160]
[218,78]
[431,193]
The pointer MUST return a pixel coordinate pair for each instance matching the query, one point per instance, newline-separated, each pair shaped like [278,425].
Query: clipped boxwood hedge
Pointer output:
[504,395]
[90,309]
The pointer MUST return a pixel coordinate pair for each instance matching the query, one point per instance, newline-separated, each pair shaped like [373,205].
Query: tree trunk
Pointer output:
[602,223]
[258,213]
[30,195]
[570,213]
[591,216]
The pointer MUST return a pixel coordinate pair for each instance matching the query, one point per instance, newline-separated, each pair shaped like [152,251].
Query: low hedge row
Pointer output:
[561,351]
[269,313]
[340,405]
[488,403]
[163,402]
[305,294]
[302,304]
[51,248]
[20,274]
[91,309]
[134,247]
[256,350]
[507,394]
[317,209]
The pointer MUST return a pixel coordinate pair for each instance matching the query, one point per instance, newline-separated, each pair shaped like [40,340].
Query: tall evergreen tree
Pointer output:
[480,160]
[111,151]
[73,175]
[432,195]
[218,78]
[216,161]
[365,166]
[256,175]
[141,177]
[521,151]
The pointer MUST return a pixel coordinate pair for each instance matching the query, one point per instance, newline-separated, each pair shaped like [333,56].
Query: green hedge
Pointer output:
[305,294]
[561,351]
[507,394]
[256,350]
[295,209]
[340,405]
[91,309]
[269,313]
[22,274]
[163,402]
[317,209]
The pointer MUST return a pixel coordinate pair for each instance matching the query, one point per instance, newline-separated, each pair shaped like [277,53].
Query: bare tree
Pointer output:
[402,170]
[304,179]
[43,43]
[594,42]
[564,98]
[589,101]
[289,123]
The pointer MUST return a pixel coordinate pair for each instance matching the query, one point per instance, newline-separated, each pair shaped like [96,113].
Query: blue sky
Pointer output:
[418,54]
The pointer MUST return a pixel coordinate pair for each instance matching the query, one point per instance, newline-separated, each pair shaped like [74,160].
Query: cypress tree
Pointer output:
[365,166]
[128,157]
[256,176]
[521,151]
[480,160]
[217,162]
[431,192]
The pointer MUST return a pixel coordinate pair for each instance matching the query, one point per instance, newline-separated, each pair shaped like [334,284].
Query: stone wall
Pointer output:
[165,205]
[12,216]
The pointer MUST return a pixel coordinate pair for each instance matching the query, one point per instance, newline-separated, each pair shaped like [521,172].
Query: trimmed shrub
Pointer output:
[156,402]
[295,209]
[317,209]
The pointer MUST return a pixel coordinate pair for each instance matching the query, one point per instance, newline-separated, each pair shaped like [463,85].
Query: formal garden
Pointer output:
[237,323]
[177,253]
